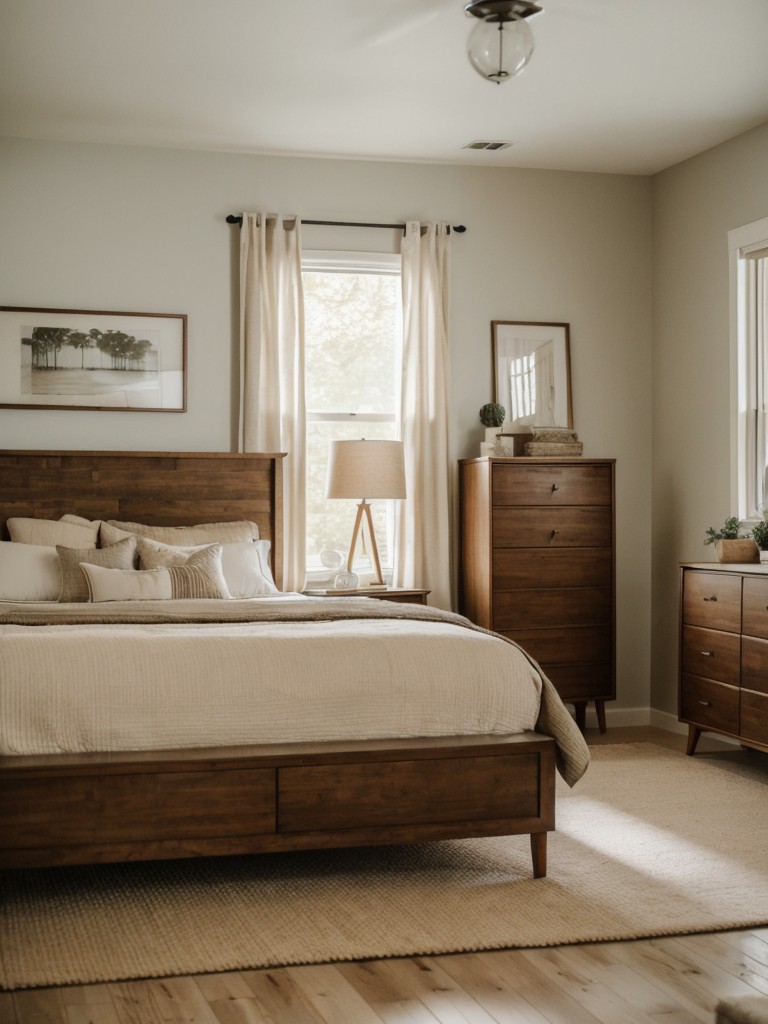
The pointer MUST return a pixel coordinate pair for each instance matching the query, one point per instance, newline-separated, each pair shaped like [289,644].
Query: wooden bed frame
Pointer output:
[89,808]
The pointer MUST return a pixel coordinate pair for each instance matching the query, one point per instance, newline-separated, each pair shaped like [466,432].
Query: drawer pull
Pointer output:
[706,654]
[706,703]
[554,533]
[555,487]
[713,598]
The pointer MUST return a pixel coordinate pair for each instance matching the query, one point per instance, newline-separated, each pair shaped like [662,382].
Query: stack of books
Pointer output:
[553,441]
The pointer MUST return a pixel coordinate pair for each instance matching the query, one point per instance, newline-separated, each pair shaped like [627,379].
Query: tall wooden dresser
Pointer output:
[724,652]
[537,564]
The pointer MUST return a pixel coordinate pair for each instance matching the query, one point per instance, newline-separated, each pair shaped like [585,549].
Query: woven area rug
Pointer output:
[650,842]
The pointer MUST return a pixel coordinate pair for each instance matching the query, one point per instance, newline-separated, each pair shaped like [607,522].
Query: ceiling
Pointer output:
[625,86]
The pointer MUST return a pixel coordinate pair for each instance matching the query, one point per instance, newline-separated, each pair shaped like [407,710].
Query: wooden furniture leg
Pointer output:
[693,738]
[580,708]
[600,709]
[539,854]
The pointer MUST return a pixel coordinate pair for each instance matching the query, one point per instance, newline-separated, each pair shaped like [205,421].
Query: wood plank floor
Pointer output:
[656,981]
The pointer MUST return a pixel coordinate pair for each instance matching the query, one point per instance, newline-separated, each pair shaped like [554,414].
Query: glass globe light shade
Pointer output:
[499,50]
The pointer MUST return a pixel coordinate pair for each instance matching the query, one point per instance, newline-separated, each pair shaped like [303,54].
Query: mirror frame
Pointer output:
[535,333]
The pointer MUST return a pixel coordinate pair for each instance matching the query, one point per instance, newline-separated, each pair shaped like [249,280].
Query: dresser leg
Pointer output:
[693,738]
[580,707]
[539,854]
[600,709]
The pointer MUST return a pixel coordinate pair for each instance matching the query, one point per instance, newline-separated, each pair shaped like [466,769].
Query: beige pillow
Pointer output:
[166,583]
[245,565]
[69,518]
[73,583]
[49,533]
[205,533]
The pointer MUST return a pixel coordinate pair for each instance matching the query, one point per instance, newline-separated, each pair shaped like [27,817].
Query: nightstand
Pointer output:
[399,594]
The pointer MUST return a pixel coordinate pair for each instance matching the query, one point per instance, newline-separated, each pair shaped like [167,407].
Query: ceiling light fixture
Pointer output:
[501,43]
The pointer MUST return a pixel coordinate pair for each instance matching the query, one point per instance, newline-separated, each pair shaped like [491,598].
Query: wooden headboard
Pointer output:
[157,488]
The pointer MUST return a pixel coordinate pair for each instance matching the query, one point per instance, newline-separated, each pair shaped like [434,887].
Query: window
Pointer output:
[749,317]
[352,325]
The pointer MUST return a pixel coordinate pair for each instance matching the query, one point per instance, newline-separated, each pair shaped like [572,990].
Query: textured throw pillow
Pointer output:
[73,583]
[51,532]
[28,572]
[245,565]
[205,533]
[168,583]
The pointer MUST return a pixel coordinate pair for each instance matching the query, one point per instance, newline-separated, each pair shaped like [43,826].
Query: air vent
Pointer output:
[487,145]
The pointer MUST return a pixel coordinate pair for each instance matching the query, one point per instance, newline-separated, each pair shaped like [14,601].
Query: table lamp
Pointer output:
[365,469]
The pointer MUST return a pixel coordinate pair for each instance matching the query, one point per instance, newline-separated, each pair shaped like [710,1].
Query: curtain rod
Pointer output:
[458,228]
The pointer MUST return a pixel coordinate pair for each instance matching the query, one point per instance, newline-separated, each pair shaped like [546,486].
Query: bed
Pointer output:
[205,775]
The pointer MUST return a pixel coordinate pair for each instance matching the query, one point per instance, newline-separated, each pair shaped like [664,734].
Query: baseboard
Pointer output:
[618,717]
[665,720]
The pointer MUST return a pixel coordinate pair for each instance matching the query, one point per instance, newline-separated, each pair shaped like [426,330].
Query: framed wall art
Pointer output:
[532,374]
[88,359]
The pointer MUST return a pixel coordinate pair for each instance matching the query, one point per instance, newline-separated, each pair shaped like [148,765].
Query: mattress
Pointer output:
[155,675]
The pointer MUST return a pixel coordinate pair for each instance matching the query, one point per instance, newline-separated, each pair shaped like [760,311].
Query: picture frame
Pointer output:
[95,360]
[532,374]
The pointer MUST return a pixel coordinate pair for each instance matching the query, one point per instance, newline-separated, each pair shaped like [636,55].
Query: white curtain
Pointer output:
[272,405]
[423,547]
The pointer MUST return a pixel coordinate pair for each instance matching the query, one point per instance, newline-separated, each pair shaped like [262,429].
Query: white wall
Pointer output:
[695,204]
[120,228]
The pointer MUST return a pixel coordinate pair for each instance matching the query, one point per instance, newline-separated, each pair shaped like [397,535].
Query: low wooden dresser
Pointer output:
[723,676]
[538,565]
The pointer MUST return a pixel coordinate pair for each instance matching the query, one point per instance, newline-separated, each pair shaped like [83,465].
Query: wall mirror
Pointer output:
[532,374]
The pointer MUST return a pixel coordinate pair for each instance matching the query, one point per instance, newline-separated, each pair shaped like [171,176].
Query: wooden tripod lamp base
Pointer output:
[364,517]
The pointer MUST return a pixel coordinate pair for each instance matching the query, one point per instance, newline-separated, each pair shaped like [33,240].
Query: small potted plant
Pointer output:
[492,417]
[760,535]
[730,544]
[492,414]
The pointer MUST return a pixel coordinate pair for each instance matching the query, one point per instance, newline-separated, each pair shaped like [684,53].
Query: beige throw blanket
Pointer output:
[553,718]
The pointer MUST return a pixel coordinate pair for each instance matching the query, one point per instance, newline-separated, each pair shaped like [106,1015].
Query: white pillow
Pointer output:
[127,584]
[245,565]
[29,572]
[246,569]
[205,533]
[177,582]
[50,532]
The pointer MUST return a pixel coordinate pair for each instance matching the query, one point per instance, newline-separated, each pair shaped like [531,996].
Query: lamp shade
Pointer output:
[365,469]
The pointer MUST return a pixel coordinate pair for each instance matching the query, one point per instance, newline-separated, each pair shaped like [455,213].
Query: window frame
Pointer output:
[749,348]
[351,262]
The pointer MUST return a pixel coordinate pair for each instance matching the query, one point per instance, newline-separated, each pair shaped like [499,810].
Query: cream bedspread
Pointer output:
[158,675]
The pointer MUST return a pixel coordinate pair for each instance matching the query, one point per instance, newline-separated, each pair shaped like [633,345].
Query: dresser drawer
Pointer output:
[711,653]
[581,682]
[754,664]
[552,527]
[551,484]
[755,621]
[539,567]
[565,646]
[712,599]
[754,717]
[525,609]
[705,702]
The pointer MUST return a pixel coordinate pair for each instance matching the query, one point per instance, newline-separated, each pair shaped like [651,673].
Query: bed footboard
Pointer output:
[95,808]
